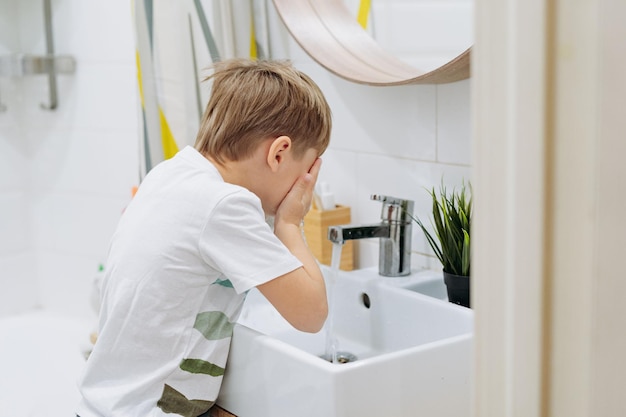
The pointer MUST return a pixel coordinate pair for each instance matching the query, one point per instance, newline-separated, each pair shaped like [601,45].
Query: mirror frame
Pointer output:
[327,31]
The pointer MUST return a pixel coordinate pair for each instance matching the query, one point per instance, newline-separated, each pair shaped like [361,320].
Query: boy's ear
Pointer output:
[279,148]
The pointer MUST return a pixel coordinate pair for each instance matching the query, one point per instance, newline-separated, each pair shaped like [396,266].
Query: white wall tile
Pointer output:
[453,123]
[9,39]
[10,97]
[85,161]
[339,172]
[13,160]
[72,223]
[65,283]
[394,121]
[95,97]
[18,286]
[88,30]
[67,174]
[14,222]
[101,31]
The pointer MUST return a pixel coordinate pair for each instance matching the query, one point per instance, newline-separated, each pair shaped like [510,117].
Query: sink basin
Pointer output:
[408,354]
[427,282]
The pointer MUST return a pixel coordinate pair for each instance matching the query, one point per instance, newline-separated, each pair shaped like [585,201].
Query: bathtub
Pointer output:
[41,357]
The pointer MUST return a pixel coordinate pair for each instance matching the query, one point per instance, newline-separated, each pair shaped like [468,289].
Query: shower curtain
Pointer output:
[176,40]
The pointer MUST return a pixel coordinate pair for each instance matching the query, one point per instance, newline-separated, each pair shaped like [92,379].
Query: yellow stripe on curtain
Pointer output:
[167,138]
[253,51]
[170,148]
[364,12]
[139,77]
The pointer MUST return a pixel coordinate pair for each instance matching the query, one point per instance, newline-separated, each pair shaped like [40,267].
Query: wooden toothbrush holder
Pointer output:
[316,225]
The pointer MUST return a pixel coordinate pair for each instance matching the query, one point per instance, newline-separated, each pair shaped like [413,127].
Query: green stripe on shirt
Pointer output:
[199,366]
[214,325]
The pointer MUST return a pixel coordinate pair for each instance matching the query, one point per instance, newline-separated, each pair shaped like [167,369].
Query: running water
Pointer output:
[331,339]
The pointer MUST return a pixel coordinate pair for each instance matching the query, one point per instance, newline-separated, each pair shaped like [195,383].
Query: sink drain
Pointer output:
[342,357]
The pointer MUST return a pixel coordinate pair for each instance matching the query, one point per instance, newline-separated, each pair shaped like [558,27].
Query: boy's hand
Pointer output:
[300,295]
[297,202]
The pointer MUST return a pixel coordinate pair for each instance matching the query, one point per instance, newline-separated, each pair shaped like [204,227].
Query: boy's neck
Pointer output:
[244,173]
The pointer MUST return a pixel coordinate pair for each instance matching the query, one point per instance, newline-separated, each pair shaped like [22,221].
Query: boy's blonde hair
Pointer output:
[252,101]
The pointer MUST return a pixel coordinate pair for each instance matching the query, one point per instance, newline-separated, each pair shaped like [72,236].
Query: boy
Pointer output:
[194,240]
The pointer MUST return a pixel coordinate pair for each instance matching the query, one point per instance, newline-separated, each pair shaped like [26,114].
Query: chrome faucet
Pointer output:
[394,232]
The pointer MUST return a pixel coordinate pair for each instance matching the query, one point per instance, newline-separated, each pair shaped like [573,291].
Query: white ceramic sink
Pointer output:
[425,282]
[412,356]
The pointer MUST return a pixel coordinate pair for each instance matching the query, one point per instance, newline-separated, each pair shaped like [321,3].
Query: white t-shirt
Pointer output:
[185,252]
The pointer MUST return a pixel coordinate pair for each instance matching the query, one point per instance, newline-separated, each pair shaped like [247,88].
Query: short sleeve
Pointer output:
[237,241]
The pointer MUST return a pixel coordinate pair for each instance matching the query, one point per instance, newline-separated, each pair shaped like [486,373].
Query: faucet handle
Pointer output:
[394,209]
[389,200]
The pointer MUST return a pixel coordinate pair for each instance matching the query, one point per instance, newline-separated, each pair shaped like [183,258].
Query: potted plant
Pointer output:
[452,213]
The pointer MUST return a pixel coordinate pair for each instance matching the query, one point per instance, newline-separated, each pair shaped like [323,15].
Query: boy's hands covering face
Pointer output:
[297,202]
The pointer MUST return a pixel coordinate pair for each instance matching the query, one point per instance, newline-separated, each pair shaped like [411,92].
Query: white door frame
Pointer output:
[549,138]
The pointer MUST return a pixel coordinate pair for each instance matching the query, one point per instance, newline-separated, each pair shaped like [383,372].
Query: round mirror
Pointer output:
[330,32]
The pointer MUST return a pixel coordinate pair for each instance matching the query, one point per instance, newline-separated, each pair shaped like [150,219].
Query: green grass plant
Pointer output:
[452,213]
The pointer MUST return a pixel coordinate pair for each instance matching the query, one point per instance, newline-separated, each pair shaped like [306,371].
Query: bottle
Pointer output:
[326,197]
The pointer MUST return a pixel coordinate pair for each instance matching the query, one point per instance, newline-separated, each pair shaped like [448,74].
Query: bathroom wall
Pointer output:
[65,176]
[399,141]
[17,271]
